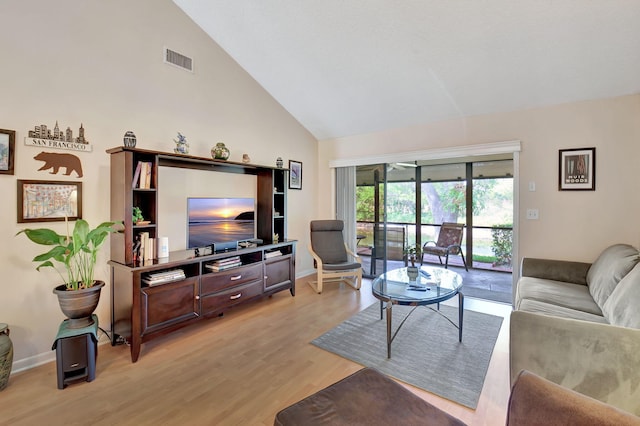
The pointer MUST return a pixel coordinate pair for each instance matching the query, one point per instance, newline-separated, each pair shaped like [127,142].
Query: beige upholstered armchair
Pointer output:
[449,242]
[332,257]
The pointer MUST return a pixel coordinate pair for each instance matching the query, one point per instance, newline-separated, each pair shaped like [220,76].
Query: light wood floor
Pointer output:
[238,370]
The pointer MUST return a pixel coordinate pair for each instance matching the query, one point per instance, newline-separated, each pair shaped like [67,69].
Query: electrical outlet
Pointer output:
[532,214]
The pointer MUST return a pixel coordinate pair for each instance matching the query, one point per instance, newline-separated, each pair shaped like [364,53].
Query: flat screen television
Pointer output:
[219,220]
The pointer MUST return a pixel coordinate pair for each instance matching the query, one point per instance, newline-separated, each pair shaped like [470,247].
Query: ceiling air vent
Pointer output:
[177,59]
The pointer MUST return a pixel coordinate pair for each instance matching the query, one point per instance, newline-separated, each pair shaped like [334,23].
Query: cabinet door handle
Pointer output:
[236,296]
[236,278]
[197,297]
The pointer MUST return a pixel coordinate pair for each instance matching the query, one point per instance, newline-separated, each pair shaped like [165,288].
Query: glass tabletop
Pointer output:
[432,285]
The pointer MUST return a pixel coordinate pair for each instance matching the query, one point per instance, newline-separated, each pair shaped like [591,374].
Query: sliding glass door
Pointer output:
[401,205]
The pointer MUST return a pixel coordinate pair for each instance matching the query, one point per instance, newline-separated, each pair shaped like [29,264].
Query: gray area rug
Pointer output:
[426,352]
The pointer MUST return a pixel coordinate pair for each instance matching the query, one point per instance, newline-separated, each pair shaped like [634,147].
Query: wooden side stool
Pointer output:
[76,353]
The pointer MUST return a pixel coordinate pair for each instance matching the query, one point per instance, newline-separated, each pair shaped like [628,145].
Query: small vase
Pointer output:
[412,272]
[220,152]
[129,139]
[6,355]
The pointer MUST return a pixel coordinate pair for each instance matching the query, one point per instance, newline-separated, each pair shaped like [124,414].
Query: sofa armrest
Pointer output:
[598,360]
[557,270]
[537,401]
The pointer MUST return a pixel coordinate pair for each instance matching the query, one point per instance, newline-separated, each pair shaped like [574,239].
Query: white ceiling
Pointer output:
[345,67]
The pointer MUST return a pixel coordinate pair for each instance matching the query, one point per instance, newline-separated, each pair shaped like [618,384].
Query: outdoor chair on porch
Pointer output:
[449,242]
[332,257]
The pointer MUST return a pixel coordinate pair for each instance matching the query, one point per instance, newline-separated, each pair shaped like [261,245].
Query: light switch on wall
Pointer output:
[532,214]
[532,186]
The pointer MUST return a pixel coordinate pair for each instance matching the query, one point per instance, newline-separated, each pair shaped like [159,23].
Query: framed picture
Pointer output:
[577,169]
[7,148]
[295,174]
[49,201]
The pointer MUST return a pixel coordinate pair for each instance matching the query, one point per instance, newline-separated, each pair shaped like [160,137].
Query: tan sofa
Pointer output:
[578,325]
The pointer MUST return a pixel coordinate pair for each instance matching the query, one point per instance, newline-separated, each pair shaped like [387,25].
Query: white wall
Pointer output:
[99,63]
[573,225]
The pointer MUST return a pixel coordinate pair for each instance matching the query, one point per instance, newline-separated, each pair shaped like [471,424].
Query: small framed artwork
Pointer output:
[7,148]
[295,174]
[577,169]
[49,201]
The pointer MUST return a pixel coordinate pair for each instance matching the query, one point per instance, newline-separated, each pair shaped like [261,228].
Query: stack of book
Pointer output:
[142,175]
[147,248]
[226,263]
[155,278]
[271,254]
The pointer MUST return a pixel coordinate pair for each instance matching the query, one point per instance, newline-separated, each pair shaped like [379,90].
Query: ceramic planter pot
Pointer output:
[6,355]
[412,272]
[78,305]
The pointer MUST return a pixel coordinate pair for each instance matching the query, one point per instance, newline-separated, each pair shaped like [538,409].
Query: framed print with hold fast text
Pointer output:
[577,169]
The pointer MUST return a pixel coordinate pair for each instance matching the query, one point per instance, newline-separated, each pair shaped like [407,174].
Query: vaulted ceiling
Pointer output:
[345,67]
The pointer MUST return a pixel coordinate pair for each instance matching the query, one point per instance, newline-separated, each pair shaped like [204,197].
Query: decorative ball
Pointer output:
[245,158]
[129,139]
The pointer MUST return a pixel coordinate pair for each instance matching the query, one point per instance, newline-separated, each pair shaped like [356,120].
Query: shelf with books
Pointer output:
[143,175]
[278,251]
[224,264]
[142,309]
[227,262]
[163,277]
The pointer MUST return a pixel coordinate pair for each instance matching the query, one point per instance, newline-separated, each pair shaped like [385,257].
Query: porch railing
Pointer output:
[491,247]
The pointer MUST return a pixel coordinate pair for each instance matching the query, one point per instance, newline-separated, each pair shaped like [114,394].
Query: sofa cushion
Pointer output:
[623,306]
[572,296]
[611,266]
[535,306]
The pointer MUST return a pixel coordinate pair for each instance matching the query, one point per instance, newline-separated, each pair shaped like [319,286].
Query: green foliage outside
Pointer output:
[502,244]
[484,259]
[443,201]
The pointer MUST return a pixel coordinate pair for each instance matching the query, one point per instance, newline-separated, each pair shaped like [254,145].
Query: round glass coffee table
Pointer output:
[433,285]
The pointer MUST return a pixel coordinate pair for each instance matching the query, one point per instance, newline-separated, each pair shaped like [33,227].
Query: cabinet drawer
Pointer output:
[218,281]
[230,297]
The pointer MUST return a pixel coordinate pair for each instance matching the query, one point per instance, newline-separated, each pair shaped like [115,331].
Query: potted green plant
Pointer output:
[411,253]
[137,215]
[77,255]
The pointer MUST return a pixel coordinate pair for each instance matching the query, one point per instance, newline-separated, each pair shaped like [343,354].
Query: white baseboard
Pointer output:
[45,357]
[33,361]
[302,274]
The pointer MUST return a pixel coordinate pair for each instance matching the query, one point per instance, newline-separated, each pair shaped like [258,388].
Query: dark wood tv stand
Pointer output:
[141,312]
[143,309]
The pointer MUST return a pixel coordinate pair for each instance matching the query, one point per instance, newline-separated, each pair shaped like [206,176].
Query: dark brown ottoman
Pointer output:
[366,397]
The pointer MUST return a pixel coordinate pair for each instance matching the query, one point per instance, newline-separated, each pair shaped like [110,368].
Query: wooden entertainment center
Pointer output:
[150,298]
